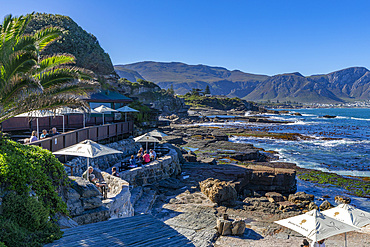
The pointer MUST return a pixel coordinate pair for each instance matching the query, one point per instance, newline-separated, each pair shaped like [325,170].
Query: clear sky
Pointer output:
[263,37]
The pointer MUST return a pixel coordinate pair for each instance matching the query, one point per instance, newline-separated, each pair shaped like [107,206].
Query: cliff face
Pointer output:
[76,41]
[344,85]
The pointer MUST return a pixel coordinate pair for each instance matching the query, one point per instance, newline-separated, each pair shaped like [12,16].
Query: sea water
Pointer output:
[340,145]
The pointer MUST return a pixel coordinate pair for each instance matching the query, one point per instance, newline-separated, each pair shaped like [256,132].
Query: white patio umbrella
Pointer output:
[349,215]
[88,149]
[157,134]
[103,109]
[126,109]
[316,226]
[146,138]
[37,114]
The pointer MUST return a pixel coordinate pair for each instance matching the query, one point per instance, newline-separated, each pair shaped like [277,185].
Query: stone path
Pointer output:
[138,231]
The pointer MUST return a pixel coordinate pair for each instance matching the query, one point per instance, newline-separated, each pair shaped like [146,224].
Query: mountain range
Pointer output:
[345,85]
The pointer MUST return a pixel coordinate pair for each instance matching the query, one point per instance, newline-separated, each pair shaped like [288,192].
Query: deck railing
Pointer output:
[94,133]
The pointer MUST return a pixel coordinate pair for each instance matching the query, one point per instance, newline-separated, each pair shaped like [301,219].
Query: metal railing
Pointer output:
[94,133]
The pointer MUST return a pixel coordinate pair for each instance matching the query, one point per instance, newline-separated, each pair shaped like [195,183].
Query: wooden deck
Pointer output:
[141,230]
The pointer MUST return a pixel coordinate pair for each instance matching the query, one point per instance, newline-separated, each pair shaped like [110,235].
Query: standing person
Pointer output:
[114,172]
[146,158]
[153,154]
[33,137]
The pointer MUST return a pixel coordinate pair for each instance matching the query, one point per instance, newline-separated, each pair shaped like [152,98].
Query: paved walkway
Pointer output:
[141,230]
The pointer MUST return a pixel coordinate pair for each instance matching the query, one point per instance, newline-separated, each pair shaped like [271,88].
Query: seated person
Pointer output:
[114,172]
[139,157]
[44,134]
[33,136]
[93,179]
[132,162]
[54,131]
[146,158]
[153,154]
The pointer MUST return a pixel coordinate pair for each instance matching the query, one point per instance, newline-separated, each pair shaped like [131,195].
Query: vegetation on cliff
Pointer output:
[31,81]
[29,180]
[76,41]
[196,99]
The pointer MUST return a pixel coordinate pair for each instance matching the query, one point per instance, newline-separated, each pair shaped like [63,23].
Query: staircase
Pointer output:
[142,199]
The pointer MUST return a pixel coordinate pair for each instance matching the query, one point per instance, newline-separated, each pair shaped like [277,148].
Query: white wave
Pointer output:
[361,119]
[342,117]
[308,115]
[334,143]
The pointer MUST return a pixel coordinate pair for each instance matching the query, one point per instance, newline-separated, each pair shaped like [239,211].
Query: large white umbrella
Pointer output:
[88,149]
[349,215]
[37,114]
[126,109]
[316,226]
[68,110]
[156,133]
[146,138]
[104,109]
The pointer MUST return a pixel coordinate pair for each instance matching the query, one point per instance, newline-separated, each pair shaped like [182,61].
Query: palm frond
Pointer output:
[55,60]
[11,91]
[19,62]
[46,36]
[26,42]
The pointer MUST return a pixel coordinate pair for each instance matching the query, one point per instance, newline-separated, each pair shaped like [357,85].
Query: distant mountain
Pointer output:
[340,86]
[129,74]
[185,77]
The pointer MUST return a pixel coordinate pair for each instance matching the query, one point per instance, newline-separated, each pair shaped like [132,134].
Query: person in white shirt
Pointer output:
[320,243]
[153,154]
[33,136]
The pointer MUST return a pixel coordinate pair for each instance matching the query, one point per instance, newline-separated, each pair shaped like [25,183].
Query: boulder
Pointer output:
[65,222]
[210,161]
[84,187]
[238,227]
[287,206]
[342,199]
[325,205]
[92,216]
[218,191]
[91,202]
[312,206]
[300,197]
[190,158]
[275,197]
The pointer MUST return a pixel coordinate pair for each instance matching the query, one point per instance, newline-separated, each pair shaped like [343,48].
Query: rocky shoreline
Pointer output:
[213,168]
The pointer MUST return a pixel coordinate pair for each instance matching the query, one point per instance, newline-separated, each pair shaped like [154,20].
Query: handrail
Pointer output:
[95,133]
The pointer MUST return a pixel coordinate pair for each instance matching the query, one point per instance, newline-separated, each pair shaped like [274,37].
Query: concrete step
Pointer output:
[145,203]
[136,194]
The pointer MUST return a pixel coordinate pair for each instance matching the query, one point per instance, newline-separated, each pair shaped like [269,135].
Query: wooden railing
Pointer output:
[95,133]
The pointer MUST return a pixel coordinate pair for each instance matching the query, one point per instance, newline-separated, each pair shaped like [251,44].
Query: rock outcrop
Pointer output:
[84,202]
[217,191]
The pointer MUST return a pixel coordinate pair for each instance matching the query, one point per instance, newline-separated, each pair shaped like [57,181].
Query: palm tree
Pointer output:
[30,81]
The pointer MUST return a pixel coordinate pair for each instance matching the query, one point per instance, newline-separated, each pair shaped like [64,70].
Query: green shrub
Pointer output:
[24,170]
[25,222]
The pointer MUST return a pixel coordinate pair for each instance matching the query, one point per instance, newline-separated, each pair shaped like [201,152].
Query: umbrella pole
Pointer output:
[87,169]
[125,116]
[103,118]
[147,146]
[37,127]
[63,124]
[345,239]
[83,119]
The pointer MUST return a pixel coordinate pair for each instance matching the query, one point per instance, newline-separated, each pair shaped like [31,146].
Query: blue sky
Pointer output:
[263,37]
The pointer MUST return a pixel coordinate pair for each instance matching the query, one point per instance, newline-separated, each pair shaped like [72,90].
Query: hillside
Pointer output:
[76,41]
[340,86]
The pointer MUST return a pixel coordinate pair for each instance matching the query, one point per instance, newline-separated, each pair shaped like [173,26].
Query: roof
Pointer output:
[108,96]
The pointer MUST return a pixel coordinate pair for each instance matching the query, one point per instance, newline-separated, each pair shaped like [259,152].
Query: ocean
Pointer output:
[339,145]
